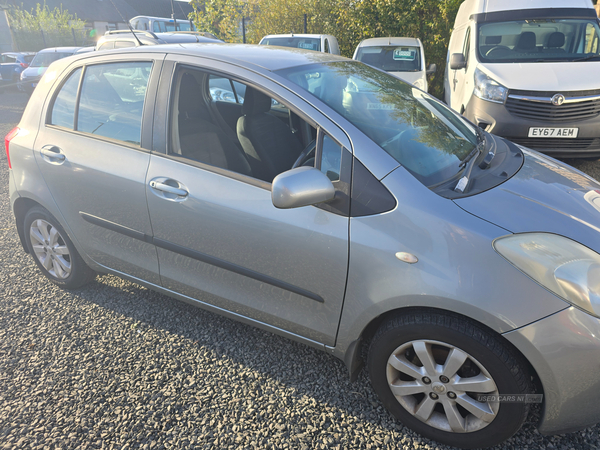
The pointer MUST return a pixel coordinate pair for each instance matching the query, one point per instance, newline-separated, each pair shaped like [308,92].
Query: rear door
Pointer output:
[93,151]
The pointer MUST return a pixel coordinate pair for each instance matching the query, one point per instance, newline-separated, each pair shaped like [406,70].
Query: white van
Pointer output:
[400,56]
[317,42]
[528,70]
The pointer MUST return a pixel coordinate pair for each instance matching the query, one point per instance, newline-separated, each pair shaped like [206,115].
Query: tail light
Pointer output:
[24,65]
[11,134]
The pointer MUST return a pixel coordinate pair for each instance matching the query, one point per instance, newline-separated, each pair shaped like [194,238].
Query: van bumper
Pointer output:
[496,119]
[564,349]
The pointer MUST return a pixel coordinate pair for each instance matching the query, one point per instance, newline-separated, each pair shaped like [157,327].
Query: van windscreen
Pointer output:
[538,40]
[391,58]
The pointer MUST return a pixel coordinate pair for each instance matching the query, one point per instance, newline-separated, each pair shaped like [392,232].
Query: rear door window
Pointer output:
[112,100]
[63,110]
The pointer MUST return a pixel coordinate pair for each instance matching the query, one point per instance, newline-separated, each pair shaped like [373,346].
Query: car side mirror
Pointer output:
[431,69]
[301,186]
[457,61]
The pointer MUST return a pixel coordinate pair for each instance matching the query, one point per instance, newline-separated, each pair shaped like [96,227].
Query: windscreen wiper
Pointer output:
[586,58]
[463,184]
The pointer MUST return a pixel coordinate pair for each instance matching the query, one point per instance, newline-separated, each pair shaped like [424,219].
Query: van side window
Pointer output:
[327,50]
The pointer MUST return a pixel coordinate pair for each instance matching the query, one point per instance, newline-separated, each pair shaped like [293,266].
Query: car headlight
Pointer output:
[565,267]
[489,89]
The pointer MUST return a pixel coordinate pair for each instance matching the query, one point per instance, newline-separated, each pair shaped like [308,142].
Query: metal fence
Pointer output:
[32,41]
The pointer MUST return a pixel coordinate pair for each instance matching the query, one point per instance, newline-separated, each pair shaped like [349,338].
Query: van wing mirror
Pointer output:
[457,61]
[301,186]
[431,69]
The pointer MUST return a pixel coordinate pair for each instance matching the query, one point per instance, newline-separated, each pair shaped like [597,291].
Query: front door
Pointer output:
[219,238]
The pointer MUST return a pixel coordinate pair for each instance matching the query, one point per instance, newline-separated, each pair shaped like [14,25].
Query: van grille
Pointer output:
[545,111]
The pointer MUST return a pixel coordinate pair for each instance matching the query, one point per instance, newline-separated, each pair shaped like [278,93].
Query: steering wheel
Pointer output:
[308,151]
[497,49]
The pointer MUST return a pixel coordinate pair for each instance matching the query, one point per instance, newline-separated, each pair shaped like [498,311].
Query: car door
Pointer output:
[221,241]
[92,150]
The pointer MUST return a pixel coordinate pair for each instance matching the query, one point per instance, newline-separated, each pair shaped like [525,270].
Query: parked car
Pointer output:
[161,24]
[125,38]
[359,214]
[31,76]
[11,66]
[400,56]
[317,42]
[528,71]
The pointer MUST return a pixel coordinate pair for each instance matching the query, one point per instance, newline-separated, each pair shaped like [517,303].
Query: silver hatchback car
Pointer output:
[332,203]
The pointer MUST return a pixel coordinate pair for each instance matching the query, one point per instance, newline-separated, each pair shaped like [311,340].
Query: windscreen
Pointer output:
[295,42]
[417,130]
[45,59]
[391,58]
[538,40]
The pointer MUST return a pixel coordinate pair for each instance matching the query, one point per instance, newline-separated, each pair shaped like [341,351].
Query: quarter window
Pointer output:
[63,110]
[112,100]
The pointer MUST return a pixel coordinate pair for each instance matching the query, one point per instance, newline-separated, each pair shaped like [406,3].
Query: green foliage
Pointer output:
[350,21]
[219,17]
[41,28]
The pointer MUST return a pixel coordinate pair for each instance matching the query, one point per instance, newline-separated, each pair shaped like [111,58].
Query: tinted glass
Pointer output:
[538,40]
[295,42]
[28,58]
[391,58]
[63,110]
[45,59]
[417,130]
[331,159]
[112,100]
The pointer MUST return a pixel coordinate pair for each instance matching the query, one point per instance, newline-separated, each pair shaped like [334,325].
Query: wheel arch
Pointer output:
[356,354]
[20,208]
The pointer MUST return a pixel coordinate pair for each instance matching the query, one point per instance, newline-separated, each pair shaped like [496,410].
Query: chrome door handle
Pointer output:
[53,153]
[168,189]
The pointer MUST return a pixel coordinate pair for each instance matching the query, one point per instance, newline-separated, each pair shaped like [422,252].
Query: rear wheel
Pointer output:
[53,251]
[432,371]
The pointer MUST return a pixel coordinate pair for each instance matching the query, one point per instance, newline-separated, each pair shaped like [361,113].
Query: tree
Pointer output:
[42,27]
[219,17]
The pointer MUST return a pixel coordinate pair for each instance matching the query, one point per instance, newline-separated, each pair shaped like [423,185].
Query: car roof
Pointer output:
[60,49]
[18,53]
[315,36]
[383,41]
[246,55]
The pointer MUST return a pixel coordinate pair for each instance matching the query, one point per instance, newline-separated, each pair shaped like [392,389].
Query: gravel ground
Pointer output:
[117,366]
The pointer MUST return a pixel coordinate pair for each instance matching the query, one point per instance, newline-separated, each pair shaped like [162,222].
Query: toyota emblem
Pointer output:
[558,99]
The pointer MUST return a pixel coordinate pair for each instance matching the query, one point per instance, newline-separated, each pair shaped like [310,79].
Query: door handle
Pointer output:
[168,188]
[52,153]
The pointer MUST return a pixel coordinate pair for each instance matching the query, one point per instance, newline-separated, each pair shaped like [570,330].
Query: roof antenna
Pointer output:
[173,14]
[128,24]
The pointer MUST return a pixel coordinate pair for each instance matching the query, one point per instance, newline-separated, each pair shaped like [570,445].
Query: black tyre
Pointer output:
[53,251]
[431,369]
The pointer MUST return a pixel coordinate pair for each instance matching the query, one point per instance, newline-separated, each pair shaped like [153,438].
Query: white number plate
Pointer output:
[553,132]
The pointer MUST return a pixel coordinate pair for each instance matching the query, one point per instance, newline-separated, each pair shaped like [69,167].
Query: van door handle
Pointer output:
[52,154]
[168,189]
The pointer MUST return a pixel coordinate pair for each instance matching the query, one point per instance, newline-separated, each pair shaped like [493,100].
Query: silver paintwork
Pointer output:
[349,263]
[50,249]
[441,384]
[302,186]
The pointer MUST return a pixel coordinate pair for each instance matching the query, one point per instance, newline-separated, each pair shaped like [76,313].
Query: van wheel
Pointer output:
[53,251]
[431,370]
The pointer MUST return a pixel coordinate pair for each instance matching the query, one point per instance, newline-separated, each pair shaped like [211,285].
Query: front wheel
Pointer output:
[53,251]
[443,376]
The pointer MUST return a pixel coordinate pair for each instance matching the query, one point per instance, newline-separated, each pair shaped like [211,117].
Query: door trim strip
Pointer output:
[199,256]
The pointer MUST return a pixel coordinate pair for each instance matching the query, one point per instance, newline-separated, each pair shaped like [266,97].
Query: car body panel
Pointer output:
[544,196]
[564,349]
[457,269]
